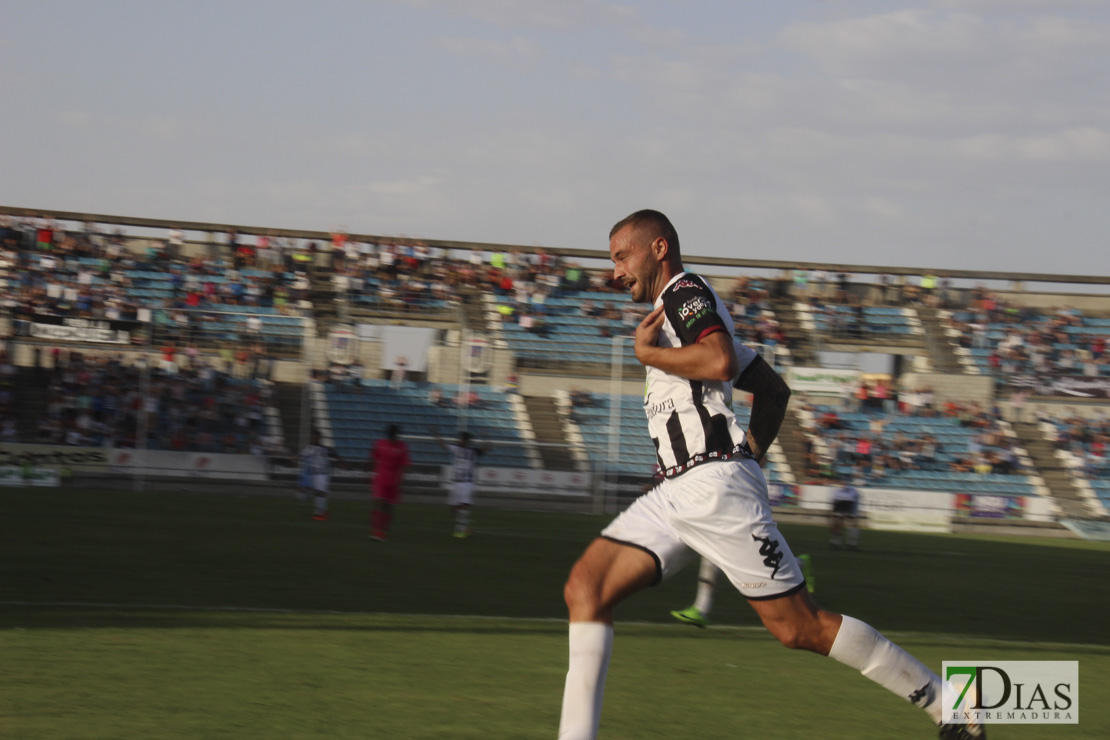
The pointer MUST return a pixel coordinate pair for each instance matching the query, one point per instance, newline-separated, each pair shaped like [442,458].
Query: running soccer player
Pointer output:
[714,500]
[464,466]
[845,517]
[389,457]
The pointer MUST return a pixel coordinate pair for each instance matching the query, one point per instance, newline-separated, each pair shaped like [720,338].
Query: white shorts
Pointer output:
[461,493]
[720,511]
[319,482]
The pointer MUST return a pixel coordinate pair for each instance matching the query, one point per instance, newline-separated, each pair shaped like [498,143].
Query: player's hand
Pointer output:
[647,333]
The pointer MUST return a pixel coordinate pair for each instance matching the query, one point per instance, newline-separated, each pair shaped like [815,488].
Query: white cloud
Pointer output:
[1081,145]
[509,53]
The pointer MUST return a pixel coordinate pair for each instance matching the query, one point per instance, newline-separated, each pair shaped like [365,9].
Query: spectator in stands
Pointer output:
[355,375]
[400,366]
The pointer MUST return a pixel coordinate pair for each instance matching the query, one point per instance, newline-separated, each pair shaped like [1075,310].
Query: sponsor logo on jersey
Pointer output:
[657,408]
[684,283]
[695,307]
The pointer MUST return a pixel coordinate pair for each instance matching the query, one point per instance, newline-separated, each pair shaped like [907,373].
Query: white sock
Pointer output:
[860,646]
[462,519]
[320,503]
[853,536]
[591,644]
[707,580]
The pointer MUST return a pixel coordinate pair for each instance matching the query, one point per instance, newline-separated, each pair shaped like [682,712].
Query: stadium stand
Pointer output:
[352,416]
[860,322]
[227,305]
[99,402]
[963,450]
[1083,444]
[993,337]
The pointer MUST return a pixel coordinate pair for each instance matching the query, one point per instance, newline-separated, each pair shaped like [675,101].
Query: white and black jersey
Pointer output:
[846,501]
[316,460]
[464,463]
[691,421]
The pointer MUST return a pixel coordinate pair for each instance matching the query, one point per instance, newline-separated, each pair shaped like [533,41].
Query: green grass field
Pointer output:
[129,615]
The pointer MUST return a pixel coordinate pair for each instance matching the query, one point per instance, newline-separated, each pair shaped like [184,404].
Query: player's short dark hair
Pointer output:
[653,223]
[394,431]
[464,437]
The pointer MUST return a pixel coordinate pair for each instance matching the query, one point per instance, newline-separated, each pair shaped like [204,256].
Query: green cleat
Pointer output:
[807,572]
[691,615]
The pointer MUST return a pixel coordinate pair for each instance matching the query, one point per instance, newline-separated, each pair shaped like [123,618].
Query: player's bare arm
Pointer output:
[770,395]
[713,357]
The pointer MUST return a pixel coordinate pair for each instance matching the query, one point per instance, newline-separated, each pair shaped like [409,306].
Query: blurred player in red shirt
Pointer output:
[389,458]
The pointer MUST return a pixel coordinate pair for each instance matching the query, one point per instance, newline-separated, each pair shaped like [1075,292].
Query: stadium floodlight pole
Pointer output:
[139,480]
[464,380]
[613,462]
[304,423]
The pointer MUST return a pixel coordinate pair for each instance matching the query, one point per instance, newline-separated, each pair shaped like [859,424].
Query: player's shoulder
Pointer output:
[687,284]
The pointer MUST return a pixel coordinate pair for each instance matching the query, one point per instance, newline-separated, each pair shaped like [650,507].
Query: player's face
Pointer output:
[634,264]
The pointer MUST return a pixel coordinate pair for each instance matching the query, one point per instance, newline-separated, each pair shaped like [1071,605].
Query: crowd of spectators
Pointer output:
[870,455]
[100,401]
[1087,438]
[1034,341]
[752,314]
[91,273]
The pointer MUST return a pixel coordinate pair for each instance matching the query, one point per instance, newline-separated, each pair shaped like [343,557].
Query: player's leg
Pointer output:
[381,518]
[759,562]
[320,498]
[606,573]
[836,529]
[851,538]
[698,614]
[461,499]
[798,623]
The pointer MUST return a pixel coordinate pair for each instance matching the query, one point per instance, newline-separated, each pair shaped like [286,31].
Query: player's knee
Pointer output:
[797,635]
[581,594]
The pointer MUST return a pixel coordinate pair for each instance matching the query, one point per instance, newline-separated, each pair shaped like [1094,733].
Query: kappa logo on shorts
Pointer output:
[772,556]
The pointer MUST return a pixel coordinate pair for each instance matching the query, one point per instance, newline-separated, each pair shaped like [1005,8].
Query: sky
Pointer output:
[959,134]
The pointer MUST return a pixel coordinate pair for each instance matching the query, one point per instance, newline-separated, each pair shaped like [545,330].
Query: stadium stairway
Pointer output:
[1051,469]
[548,427]
[288,399]
[31,400]
[474,312]
[324,308]
[801,346]
[791,438]
[940,349]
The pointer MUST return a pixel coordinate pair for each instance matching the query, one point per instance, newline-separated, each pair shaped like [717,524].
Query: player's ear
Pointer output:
[660,248]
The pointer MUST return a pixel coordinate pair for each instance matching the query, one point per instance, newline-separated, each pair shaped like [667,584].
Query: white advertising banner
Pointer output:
[29,477]
[821,381]
[161,463]
[528,480]
[892,509]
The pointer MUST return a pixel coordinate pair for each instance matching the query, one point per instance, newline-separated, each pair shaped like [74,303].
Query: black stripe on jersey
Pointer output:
[678,439]
[715,428]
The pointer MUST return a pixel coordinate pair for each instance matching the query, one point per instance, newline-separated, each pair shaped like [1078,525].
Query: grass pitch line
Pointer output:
[925,637]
